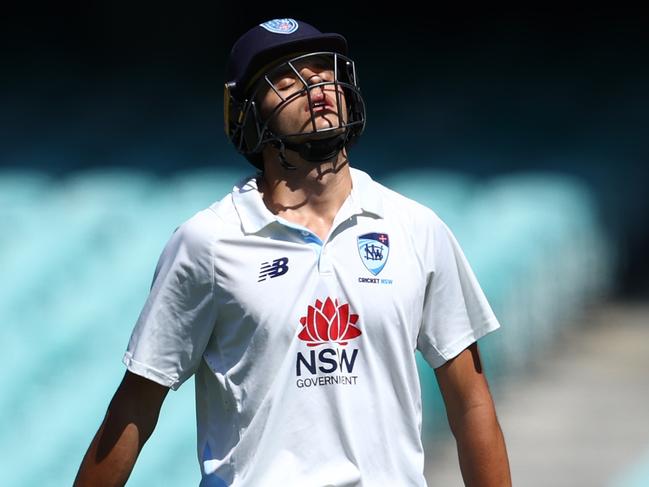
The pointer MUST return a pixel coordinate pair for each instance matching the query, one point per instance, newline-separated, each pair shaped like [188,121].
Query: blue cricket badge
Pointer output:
[374,249]
[280,26]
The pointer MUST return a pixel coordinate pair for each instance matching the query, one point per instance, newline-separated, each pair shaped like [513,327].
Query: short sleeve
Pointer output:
[179,314]
[456,312]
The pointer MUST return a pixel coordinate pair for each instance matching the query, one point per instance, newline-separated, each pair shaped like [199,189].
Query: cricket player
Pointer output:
[298,302]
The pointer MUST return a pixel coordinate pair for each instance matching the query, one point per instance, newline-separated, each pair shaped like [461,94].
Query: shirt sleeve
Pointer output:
[456,312]
[178,317]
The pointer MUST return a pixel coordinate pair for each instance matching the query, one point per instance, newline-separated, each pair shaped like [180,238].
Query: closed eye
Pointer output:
[285,83]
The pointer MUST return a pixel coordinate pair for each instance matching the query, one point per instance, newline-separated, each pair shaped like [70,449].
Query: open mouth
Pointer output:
[317,107]
[321,106]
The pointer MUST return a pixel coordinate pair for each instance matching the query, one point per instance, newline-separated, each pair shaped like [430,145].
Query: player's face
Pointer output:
[298,110]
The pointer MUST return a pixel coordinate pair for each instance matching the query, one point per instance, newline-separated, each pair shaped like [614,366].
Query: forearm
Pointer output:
[112,453]
[130,420]
[481,448]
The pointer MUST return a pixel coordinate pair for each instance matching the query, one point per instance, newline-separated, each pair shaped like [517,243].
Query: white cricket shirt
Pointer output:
[304,350]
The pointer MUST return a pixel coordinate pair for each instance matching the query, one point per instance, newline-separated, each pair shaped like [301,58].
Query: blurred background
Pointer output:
[525,129]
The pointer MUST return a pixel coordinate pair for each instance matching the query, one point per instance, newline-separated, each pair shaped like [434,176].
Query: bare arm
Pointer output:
[130,420]
[472,418]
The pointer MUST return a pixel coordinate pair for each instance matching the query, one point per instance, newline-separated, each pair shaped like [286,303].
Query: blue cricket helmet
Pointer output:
[266,47]
[266,43]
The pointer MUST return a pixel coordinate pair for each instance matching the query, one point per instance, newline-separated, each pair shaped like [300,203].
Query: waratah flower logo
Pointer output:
[328,322]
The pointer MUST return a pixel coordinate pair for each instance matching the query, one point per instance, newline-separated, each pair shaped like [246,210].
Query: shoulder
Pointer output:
[399,207]
[194,240]
[199,230]
[206,226]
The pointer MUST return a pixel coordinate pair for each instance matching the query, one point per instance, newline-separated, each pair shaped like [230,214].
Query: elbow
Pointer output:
[476,417]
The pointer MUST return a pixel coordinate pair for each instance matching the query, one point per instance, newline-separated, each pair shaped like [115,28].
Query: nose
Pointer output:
[311,75]
[316,92]
[313,78]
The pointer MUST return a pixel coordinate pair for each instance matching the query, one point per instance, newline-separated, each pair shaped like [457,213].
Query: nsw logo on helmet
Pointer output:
[280,26]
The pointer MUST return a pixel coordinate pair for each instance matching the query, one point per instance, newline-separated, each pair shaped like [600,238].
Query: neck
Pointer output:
[309,195]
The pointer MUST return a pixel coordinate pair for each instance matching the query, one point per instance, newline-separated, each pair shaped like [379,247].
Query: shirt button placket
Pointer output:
[324,264]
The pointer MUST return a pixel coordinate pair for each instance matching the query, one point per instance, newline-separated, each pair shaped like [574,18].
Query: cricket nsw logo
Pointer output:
[374,249]
[328,321]
[280,26]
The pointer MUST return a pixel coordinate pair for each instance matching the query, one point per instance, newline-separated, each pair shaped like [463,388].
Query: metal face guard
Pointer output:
[250,130]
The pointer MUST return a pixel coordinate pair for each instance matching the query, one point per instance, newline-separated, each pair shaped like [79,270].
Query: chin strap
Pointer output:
[316,150]
[279,144]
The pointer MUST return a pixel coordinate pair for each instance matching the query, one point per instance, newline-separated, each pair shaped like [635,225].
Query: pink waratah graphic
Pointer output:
[328,321]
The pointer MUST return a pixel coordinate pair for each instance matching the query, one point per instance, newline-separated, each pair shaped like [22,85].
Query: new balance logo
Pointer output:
[276,268]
